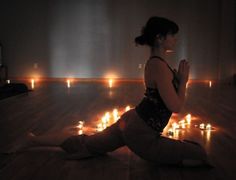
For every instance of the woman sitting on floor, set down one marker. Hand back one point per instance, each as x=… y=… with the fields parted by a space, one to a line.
x=141 y=128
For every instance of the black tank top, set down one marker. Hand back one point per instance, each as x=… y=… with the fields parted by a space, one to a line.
x=152 y=108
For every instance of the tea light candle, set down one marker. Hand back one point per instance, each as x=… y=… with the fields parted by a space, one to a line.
x=188 y=118
x=68 y=83
x=80 y=132
x=110 y=83
x=208 y=127
x=170 y=132
x=127 y=108
x=210 y=83
x=202 y=126
x=32 y=83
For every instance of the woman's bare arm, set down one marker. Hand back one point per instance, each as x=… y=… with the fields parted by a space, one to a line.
x=163 y=80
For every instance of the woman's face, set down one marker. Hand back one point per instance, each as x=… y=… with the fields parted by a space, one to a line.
x=168 y=43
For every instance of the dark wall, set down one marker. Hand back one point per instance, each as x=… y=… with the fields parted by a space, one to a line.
x=94 y=38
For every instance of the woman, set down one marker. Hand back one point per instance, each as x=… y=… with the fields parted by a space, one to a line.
x=140 y=128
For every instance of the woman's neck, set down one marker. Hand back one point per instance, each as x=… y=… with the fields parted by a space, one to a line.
x=158 y=52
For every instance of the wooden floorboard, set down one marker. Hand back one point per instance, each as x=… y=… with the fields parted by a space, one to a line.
x=51 y=106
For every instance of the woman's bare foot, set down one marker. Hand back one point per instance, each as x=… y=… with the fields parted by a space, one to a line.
x=26 y=142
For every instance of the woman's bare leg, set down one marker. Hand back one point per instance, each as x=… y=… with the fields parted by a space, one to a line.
x=49 y=139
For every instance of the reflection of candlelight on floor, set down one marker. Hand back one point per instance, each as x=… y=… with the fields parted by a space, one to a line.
x=208 y=135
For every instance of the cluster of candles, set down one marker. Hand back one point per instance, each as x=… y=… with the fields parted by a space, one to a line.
x=80 y=127
x=185 y=123
x=110 y=118
x=106 y=120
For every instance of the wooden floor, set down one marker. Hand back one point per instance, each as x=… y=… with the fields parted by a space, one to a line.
x=52 y=107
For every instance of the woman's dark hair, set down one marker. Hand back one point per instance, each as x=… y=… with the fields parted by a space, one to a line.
x=156 y=26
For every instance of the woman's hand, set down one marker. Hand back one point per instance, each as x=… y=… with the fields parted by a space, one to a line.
x=183 y=71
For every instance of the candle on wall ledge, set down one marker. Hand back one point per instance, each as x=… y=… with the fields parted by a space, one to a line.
x=8 y=81
x=110 y=83
x=68 y=83
x=32 y=83
x=210 y=83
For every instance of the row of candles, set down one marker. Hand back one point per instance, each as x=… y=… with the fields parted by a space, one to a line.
x=106 y=120
x=111 y=117
x=186 y=123
x=69 y=82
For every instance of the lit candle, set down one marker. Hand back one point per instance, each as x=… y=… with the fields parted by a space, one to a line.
x=80 y=125
x=170 y=132
x=110 y=83
x=208 y=127
x=115 y=115
x=68 y=83
x=209 y=83
x=99 y=127
x=188 y=118
x=182 y=121
x=80 y=132
x=175 y=126
x=202 y=126
x=127 y=108
x=32 y=83
x=8 y=81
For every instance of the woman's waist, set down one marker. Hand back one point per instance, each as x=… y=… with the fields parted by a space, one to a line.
x=154 y=114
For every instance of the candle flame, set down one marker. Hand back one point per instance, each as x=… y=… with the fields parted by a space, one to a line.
x=32 y=83
x=210 y=83
x=127 y=108
x=110 y=83
x=68 y=83
x=188 y=118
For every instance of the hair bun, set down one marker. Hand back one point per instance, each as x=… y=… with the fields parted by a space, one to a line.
x=140 y=40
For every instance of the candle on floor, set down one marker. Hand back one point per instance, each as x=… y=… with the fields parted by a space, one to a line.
x=127 y=108
x=208 y=127
x=80 y=124
x=115 y=115
x=175 y=126
x=188 y=118
x=170 y=132
x=99 y=127
x=68 y=83
x=110 y=83
x=32 y=83
x=210 y=83
x=202 y=126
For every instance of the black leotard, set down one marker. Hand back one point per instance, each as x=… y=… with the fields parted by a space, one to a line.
x=152 y=109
